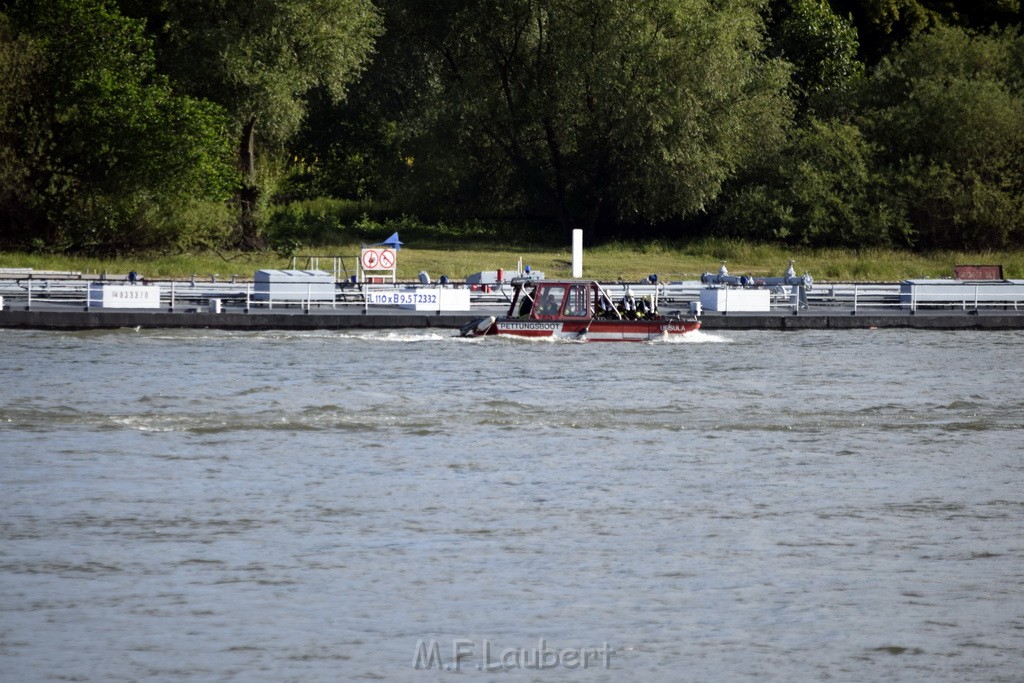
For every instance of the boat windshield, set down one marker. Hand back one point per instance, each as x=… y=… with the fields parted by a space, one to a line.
x=563 y=299
x=522 y=302
x=549 y=300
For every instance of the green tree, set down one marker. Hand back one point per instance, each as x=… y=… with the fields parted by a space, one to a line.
x=21 y=65
x=115 y=155
x=949 y=109
x=885 y=24
x=822 y=47
x=822 y=190
x=260 y=60
x=591 y=112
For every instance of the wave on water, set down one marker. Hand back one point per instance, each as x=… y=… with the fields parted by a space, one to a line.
x=698 y=337
x=307 y=420
x=195 y=335
x=695 y=337
x=413 y=336
x=395 y=336
x=409 y=336
x=316 y=418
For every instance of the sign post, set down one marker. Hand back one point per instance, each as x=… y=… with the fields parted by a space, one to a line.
x=377 y=264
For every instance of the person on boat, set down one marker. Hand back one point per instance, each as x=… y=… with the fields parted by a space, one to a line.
x=605 y=308
x=549 y=306
x=576 y=304
x=628 y=305
x=644 y=307
x=526 y=303
x=526 y=306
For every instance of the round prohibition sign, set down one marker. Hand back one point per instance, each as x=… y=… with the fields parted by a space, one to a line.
x=387 y=259
x=370 y=258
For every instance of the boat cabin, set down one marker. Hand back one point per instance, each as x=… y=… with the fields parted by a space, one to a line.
x=575 y=300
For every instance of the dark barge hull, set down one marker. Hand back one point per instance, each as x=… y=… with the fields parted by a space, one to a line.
x=56 y=318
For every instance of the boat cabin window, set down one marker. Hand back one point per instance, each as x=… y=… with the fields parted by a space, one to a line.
x=569 y=300
x=549 y=300
x=577 y=304
x=522 y=303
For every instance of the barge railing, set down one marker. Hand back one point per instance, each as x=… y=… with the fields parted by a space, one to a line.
x=823 y=297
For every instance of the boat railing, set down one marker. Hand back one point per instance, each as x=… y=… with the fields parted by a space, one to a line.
x=867 y=297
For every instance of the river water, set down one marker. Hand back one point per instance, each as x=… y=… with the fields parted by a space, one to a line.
x=214 y=506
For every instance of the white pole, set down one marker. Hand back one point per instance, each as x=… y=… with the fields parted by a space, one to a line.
x=577 y=253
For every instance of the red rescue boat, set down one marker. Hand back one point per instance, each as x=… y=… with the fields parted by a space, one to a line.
x=583 y=311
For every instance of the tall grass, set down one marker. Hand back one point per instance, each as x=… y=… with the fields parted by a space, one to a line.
x=154 y=266
x=458 y=258
x=326 y=221
x=685 y=260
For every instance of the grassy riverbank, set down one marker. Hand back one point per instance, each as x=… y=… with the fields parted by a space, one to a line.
x=607 y=262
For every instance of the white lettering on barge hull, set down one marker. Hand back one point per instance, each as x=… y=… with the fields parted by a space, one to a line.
x=401 y=298
x=105 y=295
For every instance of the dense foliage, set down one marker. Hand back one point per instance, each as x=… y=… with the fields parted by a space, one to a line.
x=129 y=125
x=100 y=153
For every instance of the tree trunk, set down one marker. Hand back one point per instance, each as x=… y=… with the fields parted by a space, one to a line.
x=592 y=233
x=248 y=193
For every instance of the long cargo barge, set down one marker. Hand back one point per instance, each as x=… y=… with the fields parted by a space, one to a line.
x=56 y=317
x=313 y=300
